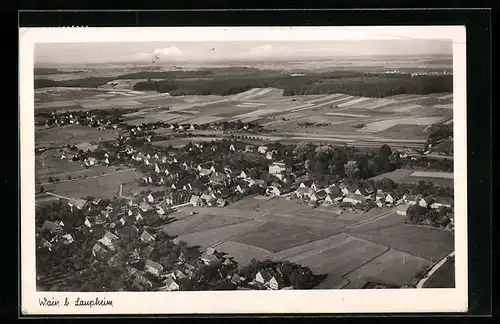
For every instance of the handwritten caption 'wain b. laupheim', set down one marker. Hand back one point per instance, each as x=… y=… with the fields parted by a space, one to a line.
x=97 y=302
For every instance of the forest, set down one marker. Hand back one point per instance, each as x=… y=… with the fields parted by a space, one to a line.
x=227 y=81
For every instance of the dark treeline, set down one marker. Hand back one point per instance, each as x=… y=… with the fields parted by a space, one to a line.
x=373 y=86
x=227 y=81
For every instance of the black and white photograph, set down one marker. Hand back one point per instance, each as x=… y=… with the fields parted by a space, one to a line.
x=175 y=166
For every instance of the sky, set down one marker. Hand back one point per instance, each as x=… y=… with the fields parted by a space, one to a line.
x=83 y=53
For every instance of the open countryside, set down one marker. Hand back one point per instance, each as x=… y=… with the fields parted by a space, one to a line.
x=164 y=177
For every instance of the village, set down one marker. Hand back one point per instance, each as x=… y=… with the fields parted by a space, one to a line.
x=125 y=231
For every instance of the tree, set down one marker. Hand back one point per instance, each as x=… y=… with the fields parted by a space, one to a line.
x=351 y=169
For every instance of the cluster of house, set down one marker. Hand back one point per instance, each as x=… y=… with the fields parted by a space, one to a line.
x=85 y=118
x=326 y=194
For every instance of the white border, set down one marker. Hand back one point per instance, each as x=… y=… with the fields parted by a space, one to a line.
x=298 y=301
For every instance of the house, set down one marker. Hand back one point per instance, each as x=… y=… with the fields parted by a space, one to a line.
x=169 y=284
x=379 y=196
x=389 y=199
x=208 y=258
x=345 y=189
x=179 y=274
x=263 y=276
x=276 y=282
x=442 y=202
x=262 y=149
x=109 y=240
x=208 y=199
x=143 y=206
x=52 y=227
x=242 y=175
x=273 y=191
x=67 y=239
x=248 y=148
x=98 y=250
x=402 y=209
x=236 y=279
x=321 y=194
x=361 y=192
x=232 y=148
x=149 y=198
x=218 y=179
x=205 y=172
x=96 y=201
x=146 y=237
x=222 y=202
x=306 y=184
x=90 y=161
x=239 y=189
x=313 y=198
x=302 y=192
x=380 y=203
x=78 y=203
x=153 y=267
x=426 y=201
x=269 y=155
x=195 y=201
x=276 y=169
x=353 y=198
x=410 y=199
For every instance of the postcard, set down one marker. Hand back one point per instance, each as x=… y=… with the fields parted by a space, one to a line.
x=251 y=170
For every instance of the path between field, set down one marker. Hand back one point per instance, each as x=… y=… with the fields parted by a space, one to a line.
x=435 y=268
x=92 y=177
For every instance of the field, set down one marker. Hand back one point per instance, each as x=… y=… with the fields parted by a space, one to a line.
x=104 y=186
x=73 y=134
x=410 y=176
x=428 y=243
x=349 y=248
x=276 y=237
x=393 y=266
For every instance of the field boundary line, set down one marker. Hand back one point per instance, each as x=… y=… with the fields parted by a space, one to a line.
x=387 y=249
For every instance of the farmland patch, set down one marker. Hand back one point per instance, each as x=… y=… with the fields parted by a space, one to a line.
x=275 y=237
x=105 y=186
x=425 y=242
x=73 y=134
x=217 y=235
x=393 y=267
x=404 y=131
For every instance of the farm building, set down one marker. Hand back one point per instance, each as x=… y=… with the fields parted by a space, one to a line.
x=410 y=199
x=353 y=198
x=78 y=203
x=442 y=202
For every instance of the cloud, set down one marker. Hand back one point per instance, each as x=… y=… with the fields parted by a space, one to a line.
x=168 y=51
x=266 y=50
